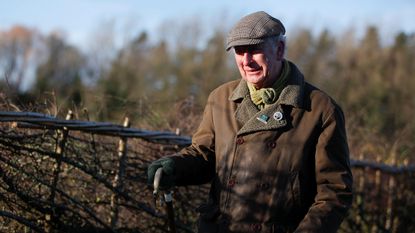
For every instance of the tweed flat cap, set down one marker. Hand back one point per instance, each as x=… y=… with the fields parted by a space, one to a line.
x=254 y=29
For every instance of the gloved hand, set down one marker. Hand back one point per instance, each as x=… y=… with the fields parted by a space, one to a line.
x=167 y=179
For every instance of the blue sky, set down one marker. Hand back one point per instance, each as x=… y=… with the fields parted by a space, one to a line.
x=78 y=18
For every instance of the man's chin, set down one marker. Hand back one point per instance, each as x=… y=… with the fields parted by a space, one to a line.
x=254 y=79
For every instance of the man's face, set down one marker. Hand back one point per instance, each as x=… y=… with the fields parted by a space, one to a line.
x=260 y=64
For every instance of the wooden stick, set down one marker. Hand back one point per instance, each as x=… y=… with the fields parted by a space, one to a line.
x=118 y=181
x=60 y=147
x=391 y=197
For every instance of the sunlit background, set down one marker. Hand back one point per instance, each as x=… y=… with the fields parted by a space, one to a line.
x=155 y=63
x=81 y=23
x=79 y=19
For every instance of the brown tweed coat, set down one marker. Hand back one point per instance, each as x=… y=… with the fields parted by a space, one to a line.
x=282 y=169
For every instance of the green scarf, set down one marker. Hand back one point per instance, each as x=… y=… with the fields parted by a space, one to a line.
x=268 y=96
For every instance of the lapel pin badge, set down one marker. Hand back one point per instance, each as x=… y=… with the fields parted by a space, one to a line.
x=263 y=118
x=277 y=116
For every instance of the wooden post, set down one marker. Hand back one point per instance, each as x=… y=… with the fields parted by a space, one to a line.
x=378 y=188
x=119 y=177
x=391 y=196
x=62 y=136
x=360 y=192
x=93 y=143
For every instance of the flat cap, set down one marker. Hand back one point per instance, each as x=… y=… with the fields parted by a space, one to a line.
x=254 y=29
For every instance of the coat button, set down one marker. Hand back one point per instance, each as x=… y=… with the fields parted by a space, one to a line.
x=231 y=183
x=240 y=141
x=272 y=144
x=256 y=227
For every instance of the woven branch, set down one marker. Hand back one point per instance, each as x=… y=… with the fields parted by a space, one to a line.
x=382 y=167
x=29 y=158
x=21 y=220
x=36 y=120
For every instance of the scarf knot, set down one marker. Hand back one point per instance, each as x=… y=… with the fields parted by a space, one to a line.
x=263 y=96
x=268 y=96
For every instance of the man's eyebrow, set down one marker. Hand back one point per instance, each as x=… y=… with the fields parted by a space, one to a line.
x=249 y=47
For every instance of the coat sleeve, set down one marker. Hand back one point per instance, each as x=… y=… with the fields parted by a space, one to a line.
x=333 y=177
x=195 y=164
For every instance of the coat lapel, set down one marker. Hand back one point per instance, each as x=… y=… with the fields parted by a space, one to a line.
x=245 y=111
x=270 y=118
x=273 y=116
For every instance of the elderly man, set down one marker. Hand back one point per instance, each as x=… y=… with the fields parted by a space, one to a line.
x=273 y=146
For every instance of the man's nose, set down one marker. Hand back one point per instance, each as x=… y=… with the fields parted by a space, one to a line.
x=247 y=58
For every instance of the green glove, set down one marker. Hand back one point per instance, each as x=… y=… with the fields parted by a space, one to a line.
x=167 y=178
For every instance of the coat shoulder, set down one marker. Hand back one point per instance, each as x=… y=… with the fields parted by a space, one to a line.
x=318 y=98
x=320 y=103
x=224 y=90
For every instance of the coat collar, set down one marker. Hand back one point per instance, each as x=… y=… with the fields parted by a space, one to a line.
x=292 y=94
x=253 y=120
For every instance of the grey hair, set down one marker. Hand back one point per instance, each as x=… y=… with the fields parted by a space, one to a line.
x=274 y=40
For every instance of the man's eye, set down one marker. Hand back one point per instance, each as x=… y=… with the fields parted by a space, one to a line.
x=254 y=50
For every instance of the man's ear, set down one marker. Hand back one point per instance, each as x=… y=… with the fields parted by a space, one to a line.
x=280 y=50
